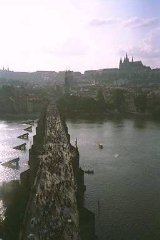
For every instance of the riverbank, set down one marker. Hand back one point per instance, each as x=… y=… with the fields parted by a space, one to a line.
x=110 y=116
x=93 y=108
x=19 y=116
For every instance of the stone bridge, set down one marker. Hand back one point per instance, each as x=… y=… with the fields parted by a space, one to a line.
x=55 y=184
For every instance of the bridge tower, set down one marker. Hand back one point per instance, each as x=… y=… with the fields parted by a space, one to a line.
x=68 y=81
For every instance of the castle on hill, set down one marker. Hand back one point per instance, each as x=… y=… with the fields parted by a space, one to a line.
x=127 y=65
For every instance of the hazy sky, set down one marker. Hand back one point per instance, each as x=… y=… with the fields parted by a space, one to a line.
x=77 y=34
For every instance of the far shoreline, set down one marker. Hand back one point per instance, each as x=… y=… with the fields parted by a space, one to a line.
x=18 y=116
x=110 y=116
x=81 y=116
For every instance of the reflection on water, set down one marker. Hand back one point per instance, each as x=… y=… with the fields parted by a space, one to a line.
x=2 y=211
x=124 y=191
x=140 y=124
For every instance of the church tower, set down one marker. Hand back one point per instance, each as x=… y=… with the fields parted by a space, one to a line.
x=127 y=59
x=120 y=63
x=68 y=81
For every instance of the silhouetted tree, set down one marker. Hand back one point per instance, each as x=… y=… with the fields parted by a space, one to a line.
x=100 y=100
x=119 y=100
x=141 y=102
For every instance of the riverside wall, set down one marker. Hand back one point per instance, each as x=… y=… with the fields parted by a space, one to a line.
x=55 y=185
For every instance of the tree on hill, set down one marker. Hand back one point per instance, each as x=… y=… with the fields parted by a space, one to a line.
x=141 y=102
x=100 y=100
x=119 y=100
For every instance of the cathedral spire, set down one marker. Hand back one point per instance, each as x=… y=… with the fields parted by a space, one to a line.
x=120 y=63
x=127 y=59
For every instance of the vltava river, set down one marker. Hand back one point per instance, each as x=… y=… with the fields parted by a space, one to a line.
x=9 y=131
x=126 y=179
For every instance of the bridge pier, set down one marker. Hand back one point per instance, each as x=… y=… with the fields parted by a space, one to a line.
x=11 y=162
x=20 y=147
x=28 y=129
x=23 y=136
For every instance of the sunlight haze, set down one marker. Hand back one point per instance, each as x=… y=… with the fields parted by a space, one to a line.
x=77 y=35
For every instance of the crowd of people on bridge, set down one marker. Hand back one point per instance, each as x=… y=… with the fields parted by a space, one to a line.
x=54 y=211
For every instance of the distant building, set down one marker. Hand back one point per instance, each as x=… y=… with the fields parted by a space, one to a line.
x=5 y=70
x=136 y=66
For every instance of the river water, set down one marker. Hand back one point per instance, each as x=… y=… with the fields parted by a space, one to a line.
x=9 y=131
x=124 y=191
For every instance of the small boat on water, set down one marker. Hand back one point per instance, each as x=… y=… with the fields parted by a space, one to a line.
x=100 y=146
x=89 y=171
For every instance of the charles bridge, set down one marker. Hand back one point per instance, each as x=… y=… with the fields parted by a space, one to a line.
x=55 y=183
